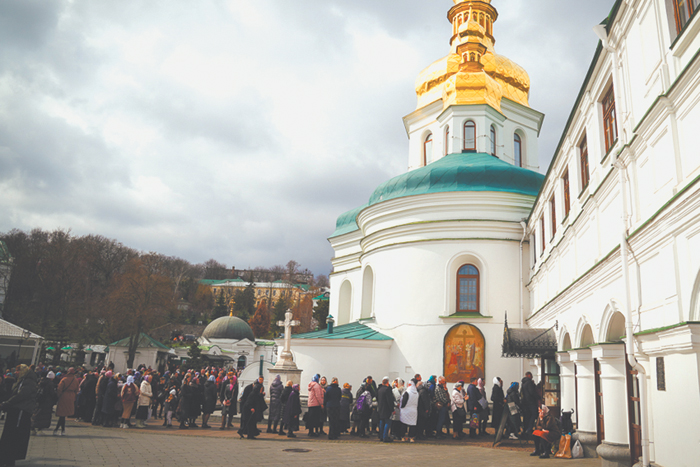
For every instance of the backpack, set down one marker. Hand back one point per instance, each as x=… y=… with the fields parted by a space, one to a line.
x=363 y=401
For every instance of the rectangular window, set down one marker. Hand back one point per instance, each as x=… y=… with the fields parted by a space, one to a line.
x=534 y=249
x=583 y=156
x=683 y=10
x=542 y=233
x=553 y=212
x=609 y=120
x=567 y=197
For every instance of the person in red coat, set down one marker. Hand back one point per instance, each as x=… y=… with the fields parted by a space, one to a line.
x=66 y=392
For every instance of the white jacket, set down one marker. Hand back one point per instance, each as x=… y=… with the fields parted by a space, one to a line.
x=409 y=413
x=146 y=394
x=457 y=399
x=397 y=403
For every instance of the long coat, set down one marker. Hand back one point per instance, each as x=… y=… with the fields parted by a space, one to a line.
x=385 y=402
x=409 y=406
x=67 y=390
x=497 y=398
x=111 y=396
x=209 y=397
x=45 y=398
x=276 y=389
x=292 y=409
x=20 y=405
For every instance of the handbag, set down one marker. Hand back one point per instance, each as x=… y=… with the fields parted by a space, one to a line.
x=513 y=408
x=474 y=422
x=564 y=451
x=484 y=403
x=461 y=413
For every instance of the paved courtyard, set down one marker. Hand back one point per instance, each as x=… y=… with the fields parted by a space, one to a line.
x=85 y=445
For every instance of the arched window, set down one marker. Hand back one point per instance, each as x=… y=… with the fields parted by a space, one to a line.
x=447 y=139
x=428 y=149
x=517 y=150
x=367 y=293
x=493 y=140
x=241 y=362
x=345 y=303
x=470 y=136
x=468 y=289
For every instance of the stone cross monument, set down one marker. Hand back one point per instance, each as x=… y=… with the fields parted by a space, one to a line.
x=285 y=366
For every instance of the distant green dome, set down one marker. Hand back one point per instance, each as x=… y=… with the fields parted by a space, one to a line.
x=461 y=172
x=228 y=327
x=452 y=173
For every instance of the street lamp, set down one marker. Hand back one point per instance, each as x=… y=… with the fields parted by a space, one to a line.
x=25 y=336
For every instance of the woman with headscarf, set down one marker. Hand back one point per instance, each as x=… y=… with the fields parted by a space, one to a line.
x=283 y=403
x=170 y=407
x=315 y=415
x=66 y=392
x=546 y=432
x=100 y=389
x=398 y=429
x=483 y=411
x=292 y=410
x=18 y=423
x=273 y=417
x=459 y=411
x=130 y=394
x=409 y=410
x=109 y=400
x=87 y=392
x=254 y=406
x=228 y=396
x=187 y=396
x=346 y=400
x=210 y=397
x=46 y=398
x=498 y=399
x=144 y=402
x=514 y=423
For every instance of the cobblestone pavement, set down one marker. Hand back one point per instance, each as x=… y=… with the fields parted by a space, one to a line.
x=85 y=445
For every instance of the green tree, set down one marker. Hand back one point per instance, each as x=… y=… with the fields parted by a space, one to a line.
x=244 y=306
x=278 y=311
x=195 y=361
x=321 y=313
x=220 y=309
x=260 y=322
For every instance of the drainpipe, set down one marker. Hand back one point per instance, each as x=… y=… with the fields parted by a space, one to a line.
x=522 y=286
x=630 y=340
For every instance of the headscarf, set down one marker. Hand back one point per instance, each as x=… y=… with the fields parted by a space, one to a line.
x=278 y=379
x=290 y=383
x=545 y=409
x=458 y=386
x=514 y=385
x=497 y=381
x=316 y=378
x=346 y=385
x=23 y=370
x=109 y=374
x=480 y=383
x=71 y=370
x=51 y=375
x=295 y=387
x=212 y=378
x=173 y=392
x=129 y=380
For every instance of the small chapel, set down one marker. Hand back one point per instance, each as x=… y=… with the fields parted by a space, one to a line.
x=426 y=273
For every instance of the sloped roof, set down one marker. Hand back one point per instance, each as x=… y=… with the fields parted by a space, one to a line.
x=355 y=330
x=8 y=329
x=528 y=342
x=5 y=255
x=144 y=341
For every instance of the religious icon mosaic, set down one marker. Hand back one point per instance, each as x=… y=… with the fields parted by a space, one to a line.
x=463 y=353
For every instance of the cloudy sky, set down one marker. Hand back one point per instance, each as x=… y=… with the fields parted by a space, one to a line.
x=237 y=130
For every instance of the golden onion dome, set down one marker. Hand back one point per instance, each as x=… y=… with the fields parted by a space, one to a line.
x=473 y=53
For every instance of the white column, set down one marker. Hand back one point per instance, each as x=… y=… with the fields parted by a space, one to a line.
x=613 y=385
x=567 y=383
x=586 y=390
x=36 y=352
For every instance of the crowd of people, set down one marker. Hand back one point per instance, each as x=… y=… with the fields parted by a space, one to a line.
x=392 y=410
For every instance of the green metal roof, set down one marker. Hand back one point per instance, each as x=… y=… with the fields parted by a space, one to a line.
x=144 y=341
x=346 y=331
x=228 y=327
x=321 y=297
x=219 y=282
x=347 y=222
x=452 y=173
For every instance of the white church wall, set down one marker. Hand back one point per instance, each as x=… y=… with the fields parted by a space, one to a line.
x=349 y=360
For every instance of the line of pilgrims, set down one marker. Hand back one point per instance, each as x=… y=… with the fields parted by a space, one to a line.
x=392 y=410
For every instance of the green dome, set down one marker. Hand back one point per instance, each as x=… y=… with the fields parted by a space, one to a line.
x=454 y=172
x=461 y=172
x=228 y=327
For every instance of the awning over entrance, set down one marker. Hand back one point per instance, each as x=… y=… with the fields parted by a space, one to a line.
x=529 y=342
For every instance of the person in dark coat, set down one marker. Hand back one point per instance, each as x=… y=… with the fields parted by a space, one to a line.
x=109 y=401
x=87 y=392
x=292 y=410
x=99 y=398
x=529 y=401
x=473 y=406
x=385 y=409
x=228 y=396
x=546 y=433
x=45 y=399
x=424 y=406
x=498 y=399
x=18 y=423
x=251 y=410
x=276 y=389
x=243 y=430
x=187 y=401
x=512 y=396
x=331 y=400
x=346 y=401
x=210 y=396
x=283 y=403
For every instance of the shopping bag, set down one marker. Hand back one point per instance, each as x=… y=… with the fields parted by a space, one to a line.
x=564 y=451
x=150 y=413
x=484 y=403
x=513 y=408
x=577 y=450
